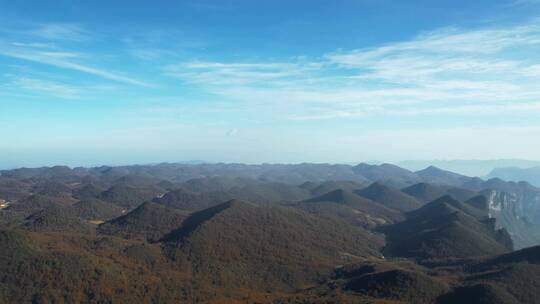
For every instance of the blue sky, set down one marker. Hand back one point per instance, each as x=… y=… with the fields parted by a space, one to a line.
x=119 y=82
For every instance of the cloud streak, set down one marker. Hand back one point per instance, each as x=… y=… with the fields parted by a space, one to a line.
x=446 y=71
x=58 y=31
x=44 y=45
x=48 y=87
x=66 y=60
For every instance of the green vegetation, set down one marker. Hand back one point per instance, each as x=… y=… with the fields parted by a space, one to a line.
x=164 y=234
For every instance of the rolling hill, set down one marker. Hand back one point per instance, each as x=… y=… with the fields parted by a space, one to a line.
x=263 y=247
x=426 y=193
x=352 y=208
x=389 y=197
x=235 y=233
x=149 y=221
x=446 y=228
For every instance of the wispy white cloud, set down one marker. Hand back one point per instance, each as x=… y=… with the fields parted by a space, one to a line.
x=218 y=73
x=53 y=44
x=33 y=45
x=164 y=44
x=59 y=31
x=47 y=87
x=63 y=59
x=446 y=71
x=524 y=2
x=148 y=54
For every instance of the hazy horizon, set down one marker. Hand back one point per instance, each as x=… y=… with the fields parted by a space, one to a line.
x=468 y=167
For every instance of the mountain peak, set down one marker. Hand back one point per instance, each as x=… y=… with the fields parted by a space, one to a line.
x=433 y=170
x=378 y=187
x=195 y=220
x=447 y=204
x=148 y=221
x=440 y=176
x=336 y=196
x=239 y=239
x=390 y=197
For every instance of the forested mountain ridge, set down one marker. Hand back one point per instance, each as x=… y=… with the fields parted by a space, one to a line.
x=265 y=234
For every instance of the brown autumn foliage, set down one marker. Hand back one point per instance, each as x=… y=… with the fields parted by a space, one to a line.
x=300 y=239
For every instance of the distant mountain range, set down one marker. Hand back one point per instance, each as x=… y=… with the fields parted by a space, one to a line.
x=462 y=166
x=530 y=175
x=468 y=167
x=237 y=233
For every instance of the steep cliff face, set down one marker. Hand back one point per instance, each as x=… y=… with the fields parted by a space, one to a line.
x=518 y=211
